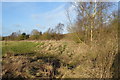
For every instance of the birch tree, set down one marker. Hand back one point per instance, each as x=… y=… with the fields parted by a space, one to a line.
x=91 y=15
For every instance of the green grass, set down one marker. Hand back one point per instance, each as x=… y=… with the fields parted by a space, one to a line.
x=19 y=47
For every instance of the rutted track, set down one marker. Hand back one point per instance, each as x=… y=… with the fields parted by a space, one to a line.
x=24 y=67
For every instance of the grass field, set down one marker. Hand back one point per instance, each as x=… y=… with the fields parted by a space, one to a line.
x=18 y=47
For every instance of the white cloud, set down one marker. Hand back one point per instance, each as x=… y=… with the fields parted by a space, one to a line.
x=59 y=11
x=40 y=26
x=51 y=18
x=17 y=25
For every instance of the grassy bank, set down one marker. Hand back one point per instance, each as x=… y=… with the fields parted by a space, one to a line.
x=77 y=60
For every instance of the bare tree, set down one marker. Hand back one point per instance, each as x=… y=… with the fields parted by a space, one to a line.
x=59 y=28
x=90 y=15
x=35 y=32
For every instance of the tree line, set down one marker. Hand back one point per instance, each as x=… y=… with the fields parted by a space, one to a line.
x=50 y=34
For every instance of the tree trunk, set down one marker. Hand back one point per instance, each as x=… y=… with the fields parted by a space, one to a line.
x=91 y=34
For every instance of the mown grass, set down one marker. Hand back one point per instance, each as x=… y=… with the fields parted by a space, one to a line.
x=17 y=47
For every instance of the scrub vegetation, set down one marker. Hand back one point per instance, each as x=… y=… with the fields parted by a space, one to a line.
x=89 y=50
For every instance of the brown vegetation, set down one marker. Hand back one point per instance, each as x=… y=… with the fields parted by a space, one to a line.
x=90 y=50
